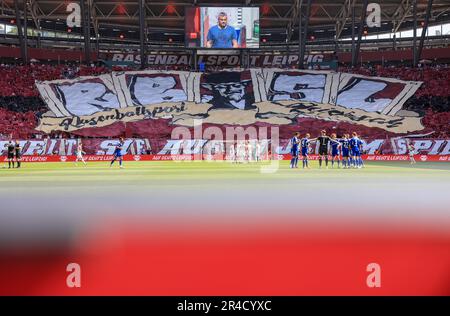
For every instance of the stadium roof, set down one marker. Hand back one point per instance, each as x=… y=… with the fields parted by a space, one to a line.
x=166 y=18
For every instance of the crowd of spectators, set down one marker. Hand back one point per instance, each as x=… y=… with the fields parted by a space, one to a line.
x=431 y=101
x=19 y=80
x=19 y=124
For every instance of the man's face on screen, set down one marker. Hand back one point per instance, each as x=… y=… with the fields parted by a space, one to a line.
x=223 y=20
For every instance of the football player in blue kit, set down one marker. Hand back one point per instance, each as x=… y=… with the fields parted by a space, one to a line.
x=361 y=152
x=294 y=150
x=304 y=147
x=345 y=149
x=118 y=153
x=335 y=155
x=355 y=147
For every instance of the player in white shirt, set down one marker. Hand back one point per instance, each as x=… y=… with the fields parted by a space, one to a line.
x=249 y=151
x=257 y=151
x=412 y=152
x=232 y=153
x=80 y=154
x=240 y=151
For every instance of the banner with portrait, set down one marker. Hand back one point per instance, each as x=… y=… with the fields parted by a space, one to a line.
x=233 y=97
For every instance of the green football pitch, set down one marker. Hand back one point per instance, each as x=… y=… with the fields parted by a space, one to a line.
x=178 y=172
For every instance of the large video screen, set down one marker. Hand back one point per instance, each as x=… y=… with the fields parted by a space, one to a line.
x=222 y=27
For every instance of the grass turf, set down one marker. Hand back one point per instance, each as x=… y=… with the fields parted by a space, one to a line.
x=182 y=173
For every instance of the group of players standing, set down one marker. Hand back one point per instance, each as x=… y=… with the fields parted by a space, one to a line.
x=245 y=151
x=14 y=155
x=349 y=149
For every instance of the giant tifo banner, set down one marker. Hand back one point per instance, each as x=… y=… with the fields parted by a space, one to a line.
x=149 y=102
x=176 y=147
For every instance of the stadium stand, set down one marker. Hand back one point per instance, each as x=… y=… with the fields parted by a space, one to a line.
x=21 y=106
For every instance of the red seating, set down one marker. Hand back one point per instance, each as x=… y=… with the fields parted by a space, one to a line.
x=19 y=80
x=17 y=124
